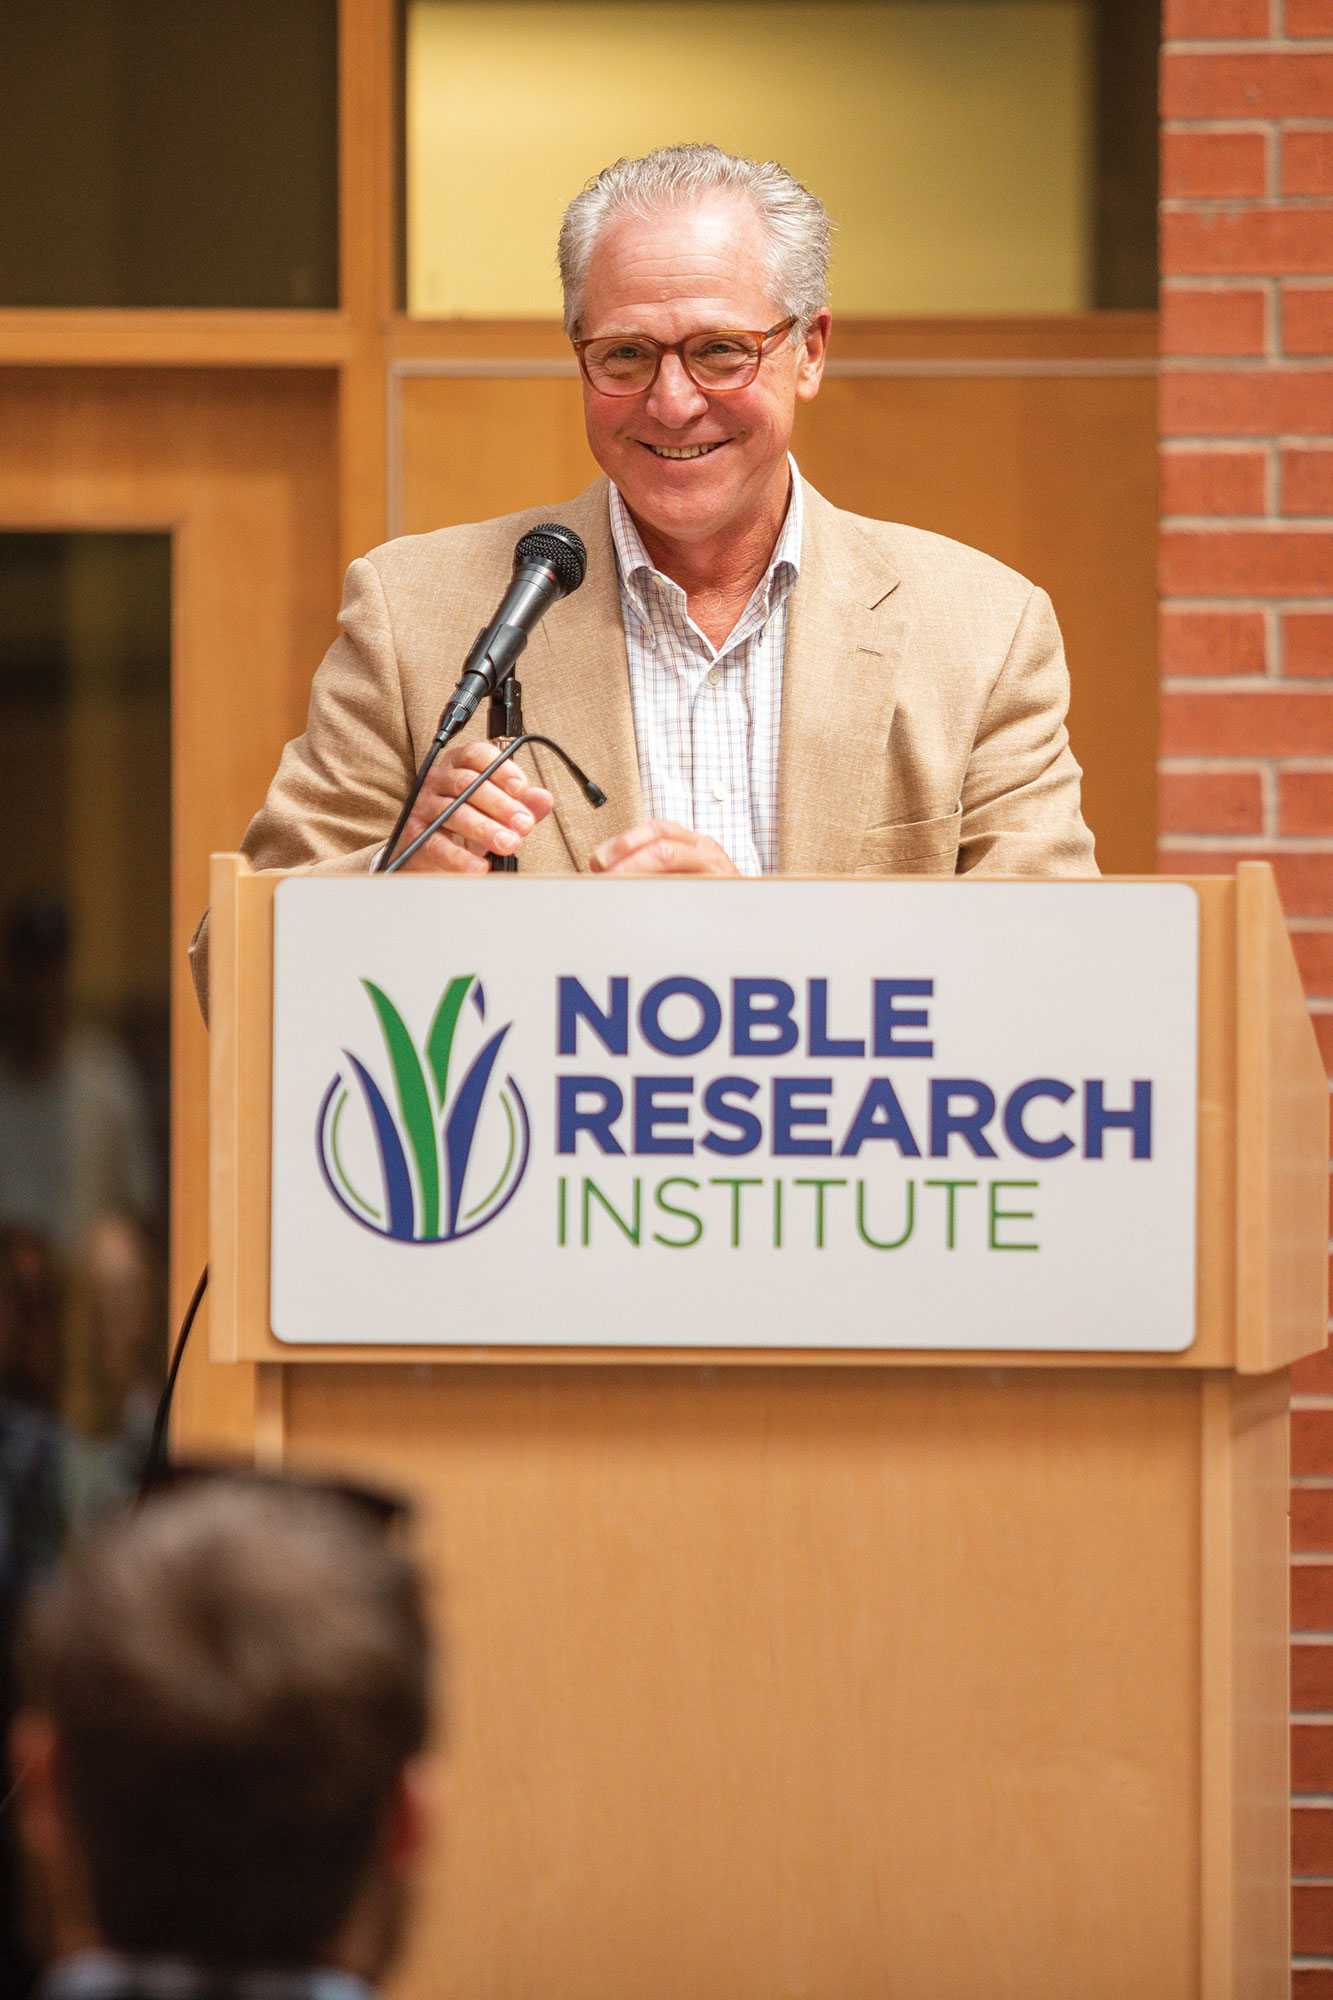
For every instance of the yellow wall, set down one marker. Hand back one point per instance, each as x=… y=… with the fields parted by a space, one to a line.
x=950 y=139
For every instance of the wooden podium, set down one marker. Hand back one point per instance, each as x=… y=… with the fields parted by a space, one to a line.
x=887 y=1676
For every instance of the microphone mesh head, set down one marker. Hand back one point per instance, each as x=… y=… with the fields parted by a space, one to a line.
x=552 y=542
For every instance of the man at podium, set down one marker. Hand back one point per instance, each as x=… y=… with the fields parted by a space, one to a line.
x=759 y=682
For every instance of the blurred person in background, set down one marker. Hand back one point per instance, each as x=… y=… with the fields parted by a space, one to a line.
x=79 y=1182
x=36 y=1477
x=223 y=1706
x=73 y=1127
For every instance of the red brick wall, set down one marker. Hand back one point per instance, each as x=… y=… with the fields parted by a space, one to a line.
x=1247 y=626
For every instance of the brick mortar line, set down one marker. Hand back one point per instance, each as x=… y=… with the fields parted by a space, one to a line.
x=1238 y=45
x=1244 y=684
x=1241 y=765
x=1273 y=524
x=1213 y=281
x=1254 y=366
x=1296 y=846
x=1232 y=446
x=1235 y=444
x=1239 y=126
x=1245 y=204
x=1190 y=601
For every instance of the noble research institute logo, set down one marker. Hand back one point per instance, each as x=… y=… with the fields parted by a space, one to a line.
x=439 y=1154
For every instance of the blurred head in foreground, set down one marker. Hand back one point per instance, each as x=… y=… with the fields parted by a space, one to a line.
x=222 y=1705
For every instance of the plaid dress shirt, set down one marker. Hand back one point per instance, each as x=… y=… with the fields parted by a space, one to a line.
x=706 y=718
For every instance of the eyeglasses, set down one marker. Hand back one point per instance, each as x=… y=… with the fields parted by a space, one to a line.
x=627 y=364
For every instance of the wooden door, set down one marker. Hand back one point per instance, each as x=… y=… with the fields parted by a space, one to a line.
x=240 y=466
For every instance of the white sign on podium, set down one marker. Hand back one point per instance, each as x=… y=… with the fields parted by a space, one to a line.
x=760 y=1114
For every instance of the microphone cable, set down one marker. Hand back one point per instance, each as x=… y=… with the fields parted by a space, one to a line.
x=157 y=1444
x=592 y=793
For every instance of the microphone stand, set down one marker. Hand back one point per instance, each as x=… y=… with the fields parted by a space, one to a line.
x=505 y=716
x=504 y=722
x=510 y=710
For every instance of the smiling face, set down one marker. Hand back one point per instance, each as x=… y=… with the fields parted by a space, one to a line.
x=696 y=468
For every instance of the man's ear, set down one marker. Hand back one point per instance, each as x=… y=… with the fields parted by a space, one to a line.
x=811 y=355
x=33 y=1769
x=409 y=1817
x=46 y=1838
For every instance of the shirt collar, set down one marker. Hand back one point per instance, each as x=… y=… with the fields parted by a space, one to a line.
x=634 y=565
x=106 y=1975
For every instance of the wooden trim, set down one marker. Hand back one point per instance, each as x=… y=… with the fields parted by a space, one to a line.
x=1244 y=1751
x=368 y=232
x=1216 y=1692
x=109 y=337
x=270 y=1416
x=225 y=1249
x=1061 y=338
x=507 y=367
x=1282 y=1141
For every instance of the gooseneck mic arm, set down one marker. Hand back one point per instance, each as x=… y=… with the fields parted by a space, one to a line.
x=549 y=563
x=591 y=792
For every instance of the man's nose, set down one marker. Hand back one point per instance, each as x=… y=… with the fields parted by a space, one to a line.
x=674 y=399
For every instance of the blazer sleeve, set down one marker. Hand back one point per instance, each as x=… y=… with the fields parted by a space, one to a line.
x=340 y=785
x=1020 y=803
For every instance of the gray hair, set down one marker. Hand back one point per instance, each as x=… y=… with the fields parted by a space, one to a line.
x=795 y=220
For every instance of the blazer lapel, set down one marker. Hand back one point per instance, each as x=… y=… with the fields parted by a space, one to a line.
x=844 y=642
x=575 y=679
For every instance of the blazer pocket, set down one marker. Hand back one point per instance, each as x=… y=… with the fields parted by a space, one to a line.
x=920 y=847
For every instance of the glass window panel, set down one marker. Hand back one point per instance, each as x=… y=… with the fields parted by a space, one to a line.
x=160 y=154
x=85 y=842
x=85 y=859
x=953 y=140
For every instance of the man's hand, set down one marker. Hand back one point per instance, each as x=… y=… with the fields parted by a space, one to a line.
x=493 y=821
x=660 y=847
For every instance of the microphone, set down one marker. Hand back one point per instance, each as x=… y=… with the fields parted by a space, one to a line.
x=549 y=563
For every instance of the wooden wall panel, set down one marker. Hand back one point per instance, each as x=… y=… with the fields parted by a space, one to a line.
x=241 y=467
x=1054 y=474
x=877 y=1685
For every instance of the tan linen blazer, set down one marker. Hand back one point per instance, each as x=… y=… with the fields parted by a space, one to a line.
x=923 y=706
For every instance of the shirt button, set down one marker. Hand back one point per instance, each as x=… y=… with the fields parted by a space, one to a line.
x=721 y=794
x=715 y=677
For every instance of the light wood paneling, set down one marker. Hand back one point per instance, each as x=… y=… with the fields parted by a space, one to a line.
x=468 y=448
x=368 y=245
x=240 y=467
x=1283 y=1141
x=865 y=1685
x=1057 y=478
x=110 y=337
x=1245 y=1910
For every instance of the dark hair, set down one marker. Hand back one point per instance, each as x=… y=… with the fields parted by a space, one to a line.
x=236 y=1674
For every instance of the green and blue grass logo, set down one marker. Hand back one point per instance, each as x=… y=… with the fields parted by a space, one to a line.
x=436 y=1155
